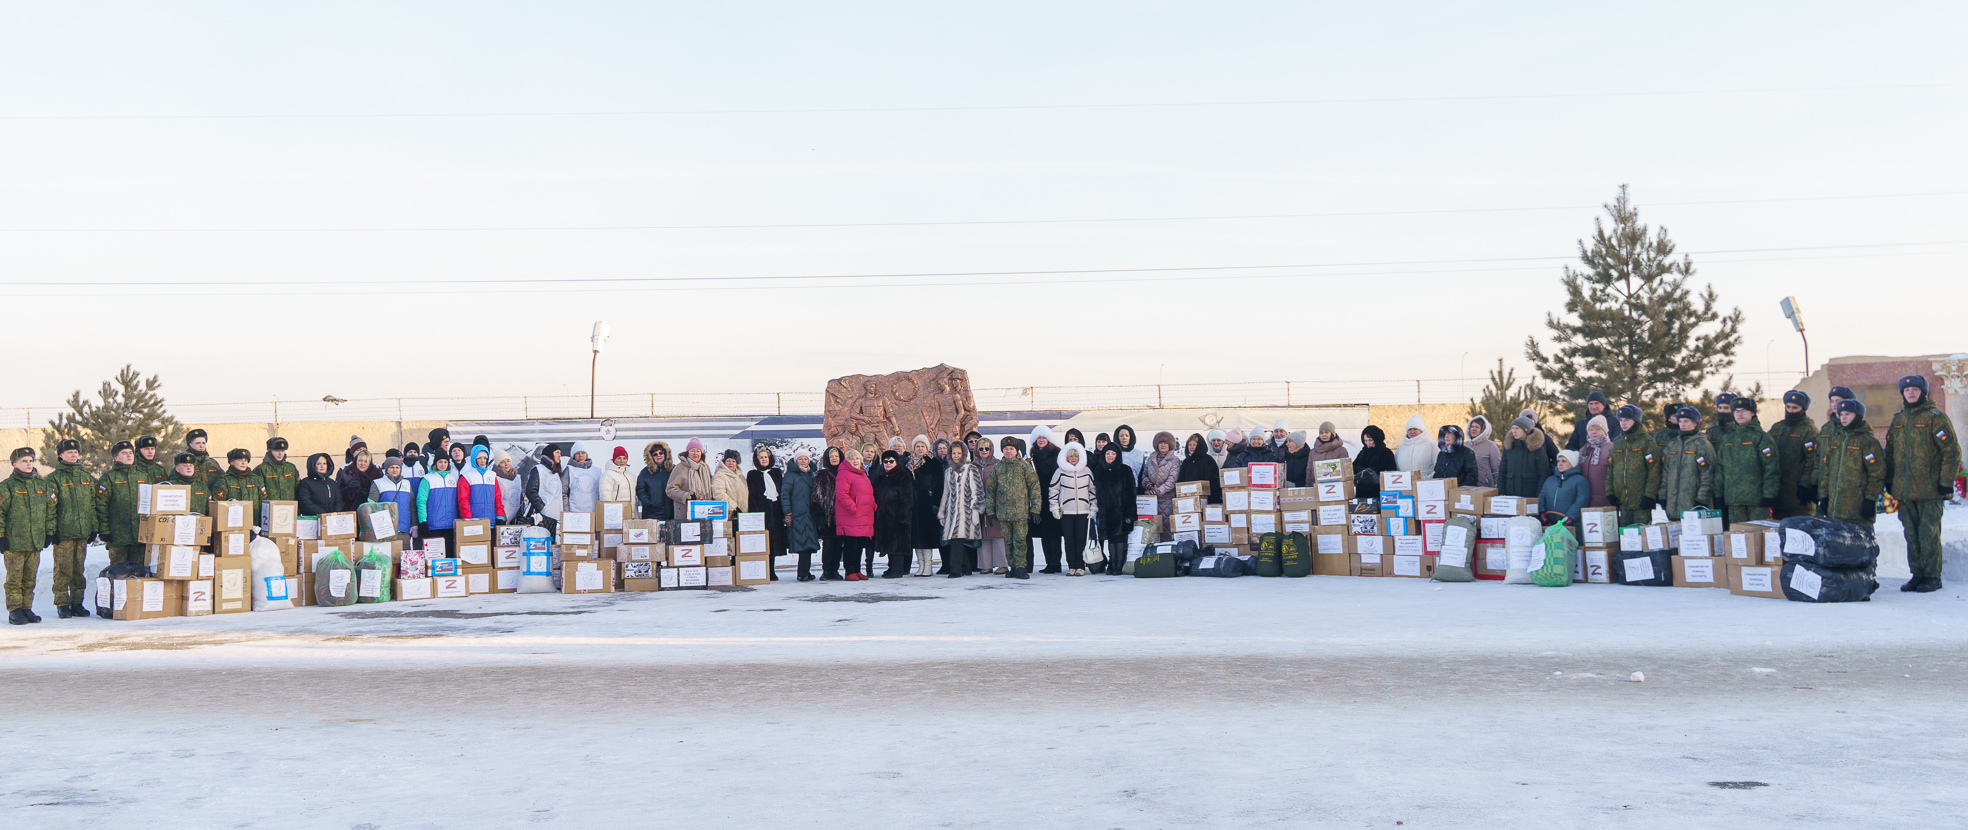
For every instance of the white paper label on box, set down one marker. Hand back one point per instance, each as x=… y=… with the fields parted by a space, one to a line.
x=1216 y=534
x=1263 y=500
x=1408 y=546
x=637 y=553
x=718 y=576
x=1593 y=528
x=414 y=589
x=1332 y=543
x=753 y=542
x=206 y=562
x=1522 y=534
x=536 y=564
x=1633 y=539
x=1332 y=514
x=690 y=532
x=1237 y=501
x=751 y=523
x=1431 y=510
x=507 y=579
x=636 y=536
x=1455 y=557
x=1232 y=477
x=180 y=562
x=1263 y=475
x=752 y=570
x=505 y=557
x=1239 y=519
x=1804 y=580
x=184 y=530
x=1399 y=481
x=1369 y=545
x=1506 y=504
x=577 y=522
x=1699 y=570
x=1186 y=504
x=1639 y=569
x=587 y=577
x=611 y=515
x=1332 y=491
x=309 y=529
x=235 y=544
x=1370 y=559
x=235 y=515
x=1405 y=565
x=1694 y=546
x=1146 y=506
x=338 y=524
x=450 y=586
x=371 y=584
x=1301 y=516
x=1757 y=579
x=170 y=501
x=719 y=547
x=471 y=529
x=478 y=583
x=120 y=594
x=1297 y=527
x=1595 y=566
x=1800 y=543
x=1738 y=546
x=1263 y=523
x=478 y=554
x=232 y=584
x=579 y=539
x=153 y=596
x=1496 y=558
x=143 y=499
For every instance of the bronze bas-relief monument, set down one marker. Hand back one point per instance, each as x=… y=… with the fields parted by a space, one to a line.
x=870 y=409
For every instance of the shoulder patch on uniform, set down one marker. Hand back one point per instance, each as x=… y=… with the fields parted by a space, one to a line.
x=1650 y=458
x=1810 y=445
x=1870 y=459
x=1701 y=460
x=1941 y=434
x=1767 y=450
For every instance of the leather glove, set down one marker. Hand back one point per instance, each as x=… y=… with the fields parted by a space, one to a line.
x=1869 y=509
x=1947 y=490
x=1034 y=520
x=1806 y=494
x=1770 y=502
x=51 y=541
x=1649 y=504
x=3 y=545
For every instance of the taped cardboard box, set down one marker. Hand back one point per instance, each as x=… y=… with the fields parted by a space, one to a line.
x=689 y=577
x=1188 y=504
x=1198 y=489
x=1332 y=469
x=477 y=553
x=1266 y=475
x=1335 y=491
x=587 y=578
x=449 y=587
x=1178 y=523
x=1700 y=572
x=751 y=569
x=185 y=529
x=1756 y=580
x=338 y=526
x=758 y=543
x=571 y=553
x=1333 y=564
x=279 y=518
x=1470 y=501
x=1701 y=522
x=1363 y=524
x=1398 y=506
x=1695 y=546
x=290 y=553
x=642 y=553
x=478 y=580
x=1507 y=506
x=409 y=589
x=505 y=580
x=196 y=598
x=1263 y=501
x=232 y=515
x=642 y=532
x=163 y=499
x=1369 y=564
x=1598 y=568
x=506 y=557
x=172 y=562
x=1743 y=548
x=1432 y=511
x=1492 y=559
x=1413 y=566
x=145 y=599
x=232 y=584
x=1331 y=515
x=1661 y=536
x=1233 y=477
x=638 y=578
x=473 y=531
x=1599 y=526
x=1216 y=533
x=1298 y=498
x=614 y=514
x=1434 y=489
x=750 y=522
x=1235 y=501
x=232 y=543
x=1262 y=523
x=718 y=576
x=572 y=522
x=1772 y=545
x=1397 y=481
x=686 y=556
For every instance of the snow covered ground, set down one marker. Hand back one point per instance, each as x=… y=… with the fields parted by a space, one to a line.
x=1064 y=702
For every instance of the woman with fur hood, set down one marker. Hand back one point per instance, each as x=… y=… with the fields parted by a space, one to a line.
x=991 y=548
x=1044 y=456
x=1159 y=474
x=825 y=485
x=728 y=484
x=798 y=504
x=653 y=483
x=690 y=481
x=1072 y=498
x=1374 y=458
x=1328 y=445
x=1452 y=459
x=762 y=489
x=895 y=507
x=1113 y=486
x=1417 y=452
x=926 y=470
x=1197 y=465
x=1483 y=445
x=961 y=512
x=1525 y=463
x=854 y=514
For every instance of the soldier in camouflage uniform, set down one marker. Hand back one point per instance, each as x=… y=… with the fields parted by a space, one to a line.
x=1634 y=477
x=1725 y=417
x=116 y=505
x=277 y=474
x=240 y=483
x=1749 y=467
x=1922 y=457
x=205 y=468
x=153 y=470
x=1011 y=495
x=27 y=524
x=1851 y=468
x=1837 y=394
x=184 y=471
x=75 y=524
x=1797 y=441
x=1687 y=473
x=1667 y=432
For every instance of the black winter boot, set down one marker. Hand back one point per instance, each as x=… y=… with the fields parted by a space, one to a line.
x=17 y=617
x=1922 y=584
x=62 y=612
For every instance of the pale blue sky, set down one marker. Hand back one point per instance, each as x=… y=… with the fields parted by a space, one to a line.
x=1490 y=147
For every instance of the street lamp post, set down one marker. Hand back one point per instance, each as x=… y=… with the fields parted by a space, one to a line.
x=1796 y=315
x=598 y=337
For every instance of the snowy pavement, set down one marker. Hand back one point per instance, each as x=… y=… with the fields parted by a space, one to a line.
x=1092 y=702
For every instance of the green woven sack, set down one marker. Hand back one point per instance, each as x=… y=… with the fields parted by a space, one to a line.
x=1559 y=552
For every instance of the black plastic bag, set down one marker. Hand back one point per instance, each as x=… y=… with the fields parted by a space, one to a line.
x=1221 y=565
x=1654 y=568
x=1828 y=543
x=1807 y=582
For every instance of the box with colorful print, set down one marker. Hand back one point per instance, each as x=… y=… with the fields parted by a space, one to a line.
x=1364 y=524
x=705 y=511
x=444 y=567
x=414 y=564
x=1397 y=505
x=1333 y=469
x=639 y=577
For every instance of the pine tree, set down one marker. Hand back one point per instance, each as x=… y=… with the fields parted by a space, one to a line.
x=1502 y=399
x=1634 y=329
x=129 y=407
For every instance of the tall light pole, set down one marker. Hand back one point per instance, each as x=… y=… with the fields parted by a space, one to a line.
x=597 y=338
x=1796 y=316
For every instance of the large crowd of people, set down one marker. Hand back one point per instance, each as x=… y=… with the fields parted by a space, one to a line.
x=978 y=506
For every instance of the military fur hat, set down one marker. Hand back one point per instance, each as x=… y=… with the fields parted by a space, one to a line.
x=66 y=444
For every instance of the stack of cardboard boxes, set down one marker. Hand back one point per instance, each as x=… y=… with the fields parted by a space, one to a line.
x=1745 y=558
x=1389 y=534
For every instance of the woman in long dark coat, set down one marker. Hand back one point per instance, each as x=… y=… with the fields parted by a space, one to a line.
x=796 y=496
x=762 y=496
x=925 y=529
x=895 y=502
x=1113 y=493
x=823 y=513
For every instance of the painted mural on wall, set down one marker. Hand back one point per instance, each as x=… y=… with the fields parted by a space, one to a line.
x=871 y=409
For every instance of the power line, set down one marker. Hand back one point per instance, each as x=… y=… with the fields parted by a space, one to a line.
x=915 y=274
x=796 y=225
x=976 y=108
x=969 y=283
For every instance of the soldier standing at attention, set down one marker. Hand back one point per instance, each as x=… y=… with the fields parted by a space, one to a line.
x=1922 y=456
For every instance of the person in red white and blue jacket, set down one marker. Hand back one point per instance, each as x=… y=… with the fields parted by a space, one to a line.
x=398 y=489
x=478 y=488
x=437 y=499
